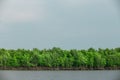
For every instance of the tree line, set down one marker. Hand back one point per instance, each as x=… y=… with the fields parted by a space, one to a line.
x=57 y=57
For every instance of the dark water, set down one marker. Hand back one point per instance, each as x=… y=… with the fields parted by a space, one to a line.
x=60 y=75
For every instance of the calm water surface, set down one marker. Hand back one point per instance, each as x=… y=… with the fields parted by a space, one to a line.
x=60 y=75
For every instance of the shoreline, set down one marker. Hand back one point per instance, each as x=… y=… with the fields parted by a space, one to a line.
x=57 y=68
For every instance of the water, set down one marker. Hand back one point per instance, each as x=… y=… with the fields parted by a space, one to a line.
x=60 y=75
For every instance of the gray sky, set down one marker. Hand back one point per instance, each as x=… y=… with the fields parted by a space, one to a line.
x=67 y=24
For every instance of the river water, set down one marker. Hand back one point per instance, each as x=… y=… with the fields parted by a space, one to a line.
x=60 y=75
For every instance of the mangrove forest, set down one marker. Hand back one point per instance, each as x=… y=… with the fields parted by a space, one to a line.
x=57 y=58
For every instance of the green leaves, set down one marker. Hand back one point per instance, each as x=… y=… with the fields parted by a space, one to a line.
x=57 y=57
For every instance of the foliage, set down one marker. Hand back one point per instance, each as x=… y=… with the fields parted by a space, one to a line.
x=57 y=57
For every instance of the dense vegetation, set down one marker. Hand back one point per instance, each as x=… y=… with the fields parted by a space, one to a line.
x=57 y=57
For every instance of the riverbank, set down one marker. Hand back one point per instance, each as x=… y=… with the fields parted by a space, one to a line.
x=58 y=68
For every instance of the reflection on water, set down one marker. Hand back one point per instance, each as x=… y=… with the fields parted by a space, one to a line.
x=60 y=75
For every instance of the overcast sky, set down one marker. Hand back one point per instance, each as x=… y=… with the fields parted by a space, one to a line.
x=68 y=24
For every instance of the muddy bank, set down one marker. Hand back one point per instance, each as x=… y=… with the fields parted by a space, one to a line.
x=57 y=68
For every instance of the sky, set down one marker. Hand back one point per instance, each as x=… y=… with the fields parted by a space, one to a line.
x=68 y=24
